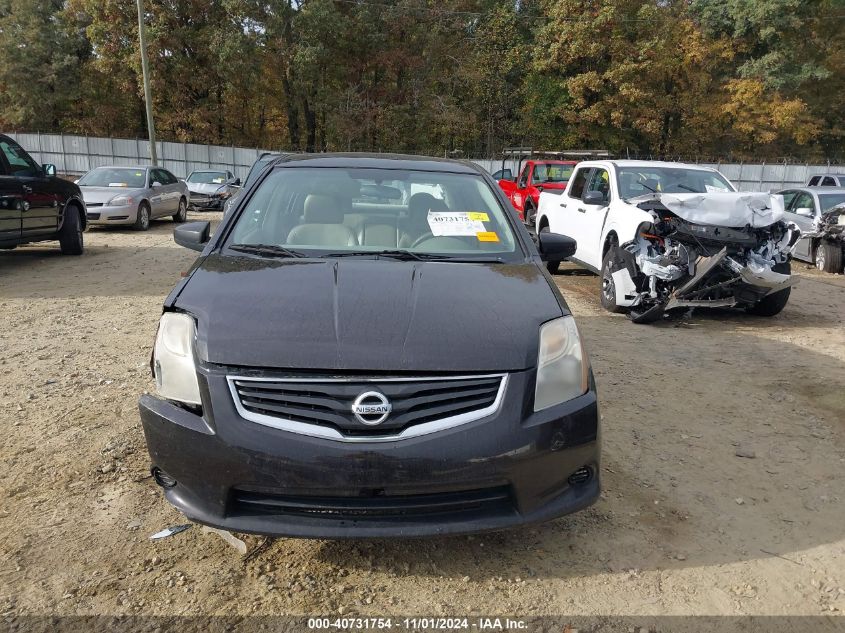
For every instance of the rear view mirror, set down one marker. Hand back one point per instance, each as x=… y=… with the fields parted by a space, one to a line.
x=49 y=169
x=594 y=197
x=193 y=235
x=555 y=247
x=805 y=211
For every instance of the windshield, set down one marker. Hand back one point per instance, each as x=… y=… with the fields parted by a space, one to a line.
x=208 y=177
x=114 y=177
x=550 y=172
x=639 y=181
x=344 y=211
x=829 y=200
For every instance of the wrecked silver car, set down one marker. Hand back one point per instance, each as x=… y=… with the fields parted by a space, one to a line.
x=715 y=249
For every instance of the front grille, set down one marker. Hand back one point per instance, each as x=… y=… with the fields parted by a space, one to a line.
x=93 y=216
x=493 y=501
x=88 y=205
x=324 y=407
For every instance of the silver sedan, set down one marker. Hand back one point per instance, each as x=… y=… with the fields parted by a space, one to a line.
x=133 y=196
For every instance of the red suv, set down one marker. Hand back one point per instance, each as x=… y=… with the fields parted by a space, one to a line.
x=536 y=176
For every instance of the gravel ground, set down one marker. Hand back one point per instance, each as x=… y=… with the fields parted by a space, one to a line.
x=723 y=468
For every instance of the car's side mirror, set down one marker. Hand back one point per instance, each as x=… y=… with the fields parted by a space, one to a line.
x=193 y=235
x=237 y=182
x=49 y=169
x=804 y=211
x=594 y=197
x=555 y=247
x=155 y=184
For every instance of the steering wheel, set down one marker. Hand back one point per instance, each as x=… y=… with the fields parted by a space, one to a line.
x=444 y=242
x=422 y=238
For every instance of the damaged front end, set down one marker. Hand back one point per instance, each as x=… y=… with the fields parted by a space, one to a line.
x=684 y=259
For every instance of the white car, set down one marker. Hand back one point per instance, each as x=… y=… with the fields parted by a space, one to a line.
x=669 y=235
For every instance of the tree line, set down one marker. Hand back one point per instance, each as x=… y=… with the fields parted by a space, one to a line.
x=737 y=79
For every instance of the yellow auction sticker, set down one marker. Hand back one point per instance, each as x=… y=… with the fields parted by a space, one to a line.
x=477 y=215
x=487 y=236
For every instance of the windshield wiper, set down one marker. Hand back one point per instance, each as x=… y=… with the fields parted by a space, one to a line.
x=268 y=250
x=393 y=254
x=410 y=255
x=683 y=186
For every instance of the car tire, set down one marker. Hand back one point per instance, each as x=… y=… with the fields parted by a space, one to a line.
x=528 y=213
x=182 y=214
x=773 y=304
x=552 y=267
x=70 y=235
x=607 y=289
x=142 y=218
x=829 y=257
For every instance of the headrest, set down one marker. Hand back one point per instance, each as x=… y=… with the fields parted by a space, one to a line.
x=321 y=209
x=421 y=203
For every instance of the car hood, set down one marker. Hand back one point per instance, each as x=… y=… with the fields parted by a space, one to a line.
x=204 y=187
x=368 y=315
x=723 y=208
x=101 y=195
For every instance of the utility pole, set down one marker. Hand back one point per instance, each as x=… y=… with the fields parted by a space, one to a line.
x=146 y=73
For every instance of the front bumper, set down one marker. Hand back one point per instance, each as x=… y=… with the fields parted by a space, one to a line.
x=111 y=215
x=206 y=203
x=238 y=475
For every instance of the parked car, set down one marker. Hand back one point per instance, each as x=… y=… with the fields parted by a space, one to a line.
x=133 y=196
x=666 y=236
x=359 y=387
x=536 y=176
x=820 y=214
x=209 y=189
x=35 y=205
x=826 y=180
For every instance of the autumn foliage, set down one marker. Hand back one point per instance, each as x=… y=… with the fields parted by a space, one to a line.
x=740 y=79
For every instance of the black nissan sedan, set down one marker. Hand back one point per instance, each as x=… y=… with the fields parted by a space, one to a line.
x=370 y=346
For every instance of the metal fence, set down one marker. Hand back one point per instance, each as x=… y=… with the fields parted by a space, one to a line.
x=745 y=176
x=75 y=155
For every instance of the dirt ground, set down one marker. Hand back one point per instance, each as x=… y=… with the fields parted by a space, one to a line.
x=684 y=524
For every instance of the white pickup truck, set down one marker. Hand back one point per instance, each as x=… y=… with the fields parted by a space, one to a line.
x=664 y=236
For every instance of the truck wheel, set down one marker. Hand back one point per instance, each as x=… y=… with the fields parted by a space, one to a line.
x=142 y=219
x=773 y=304
x=70 y=235
x=528 y=213
x=552 y=267
x=608 y=288
x=829 y=257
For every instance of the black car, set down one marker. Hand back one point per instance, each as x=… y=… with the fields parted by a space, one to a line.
x=35 y=205
x=337 y=367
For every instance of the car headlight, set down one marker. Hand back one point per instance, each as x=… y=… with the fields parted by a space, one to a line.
x=120 y=201
x=173 y=358
x=563 y=371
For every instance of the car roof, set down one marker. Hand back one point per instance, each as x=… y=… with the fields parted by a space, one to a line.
x=645 y=164
x=816 y=190
x=378 y=161
x=127 y=167
x=827 y=174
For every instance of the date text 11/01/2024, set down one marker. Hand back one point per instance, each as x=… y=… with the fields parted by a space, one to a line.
x=418 y=624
